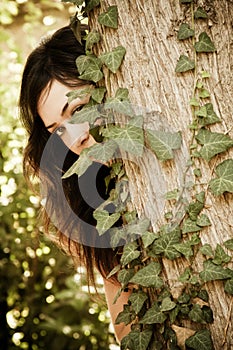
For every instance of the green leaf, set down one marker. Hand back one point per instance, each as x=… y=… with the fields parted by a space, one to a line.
x=203 y=93
x=229 y=286
x=229 y=244
x=122 y=94
x=220 y=256
x=203 y=220
x=163 y=143
x=200 y=13
x=204 y=44
x=167 y=304
x=206 y=249
x=190 y=226
x=104 y=220
x=114 y=271
x=109 y=18
x=174 y=194
x=130 y=253
x=153 y=315
x=194 y=209
x=148 y=276
x=184 y=64
x=184 y=277
x=89 y=68
x=194 y=102
x=103 y=152
x=113 y=59
x=213 y=272
x=125 y=276
x=201 y=340
x=137 y=300
x=184 y=248
x=142 y=339
x=165 y=244
x=148 y=238
x=185 y=32
x=80 y=166
x=75 y=2
x=207 y=115
x=98 y=94
x=124 y=316
x=213 y=143
x=196 y=314
x=89 y=113
x=224 y=181
x=91 y=4
x=139 y=227
x=79 y=93
x=186 y=1
x=129 y=138
x=126 y=343
x=92 y=38
x=200 y=197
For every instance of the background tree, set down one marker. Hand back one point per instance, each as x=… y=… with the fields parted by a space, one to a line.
x=44 y=303
x=177 y=67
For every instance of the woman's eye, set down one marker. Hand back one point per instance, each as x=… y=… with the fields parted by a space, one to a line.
x=60 y=130
x=77 y=109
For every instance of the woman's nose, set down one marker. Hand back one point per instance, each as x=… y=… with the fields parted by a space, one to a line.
x=74 y=132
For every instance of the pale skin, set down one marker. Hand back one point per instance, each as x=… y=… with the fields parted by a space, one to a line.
x=55 y=111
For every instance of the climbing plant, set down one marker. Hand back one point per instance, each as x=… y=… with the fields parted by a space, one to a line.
x=157 y=315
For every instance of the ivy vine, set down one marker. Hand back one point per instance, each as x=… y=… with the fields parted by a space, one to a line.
x=155 y=321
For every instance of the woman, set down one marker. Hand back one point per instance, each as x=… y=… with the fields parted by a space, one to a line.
x=49 y=74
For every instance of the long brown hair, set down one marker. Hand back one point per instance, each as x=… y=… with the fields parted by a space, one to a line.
x=54 y=59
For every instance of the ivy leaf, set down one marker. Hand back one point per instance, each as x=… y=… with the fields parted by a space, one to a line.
x=194 y=209
x=224 y=181
x=120 y=106
x=186 y=1
x=114 y=271
x=229 y=286
x=184 y=248
x=163 y=143
x=203 y=220
x=196 y=314
x=190 y=226
x=125 y=276
x=92 y=38
x=200 y=13
x=201 y=340
x=139 y=227
x=207 y=115
x=184 y=64
x=130 y=253
x=140 y=339
x=89 y=68
x=185 y=32
x=103 y=152
x=80 y=93
x=126 y=342
x=229 y=244
x=89 y=113
x=124 y=316
x=122 y=94
x=204 y=44
x=75 y=2
x=104 y=220
x=206 y=249
x=167 y=304
x=148 y=276
x=137 y=300
x=148 y=238
x=220 y=256
x=203 y=93
x=153 y=315
x=80 y=166
x=91 y=4
x=213 y=143
x=213 y=272
x=129 y=138
x=165 y=244
x=98 y=94
x=109 y=18
x=113 y=59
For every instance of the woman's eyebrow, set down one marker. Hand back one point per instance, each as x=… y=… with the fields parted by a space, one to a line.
x=62 y=113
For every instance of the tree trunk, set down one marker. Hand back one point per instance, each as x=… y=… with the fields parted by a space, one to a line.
x=148 y=30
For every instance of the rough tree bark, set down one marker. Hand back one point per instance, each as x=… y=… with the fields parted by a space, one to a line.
x=148 y=31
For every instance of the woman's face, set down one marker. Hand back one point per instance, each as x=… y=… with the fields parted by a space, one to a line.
x=55 y=112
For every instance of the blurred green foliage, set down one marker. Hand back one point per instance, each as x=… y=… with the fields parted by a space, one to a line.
x=43 y=302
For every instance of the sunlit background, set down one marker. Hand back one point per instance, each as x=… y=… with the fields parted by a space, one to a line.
x=44 y=303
